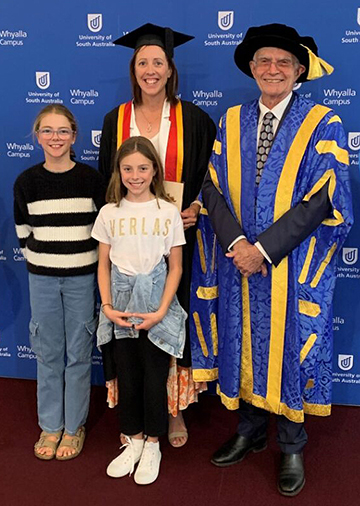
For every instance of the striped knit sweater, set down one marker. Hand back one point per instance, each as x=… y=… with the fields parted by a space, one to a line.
x=54 y=215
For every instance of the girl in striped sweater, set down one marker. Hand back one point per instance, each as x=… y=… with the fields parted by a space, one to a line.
x=56 y=203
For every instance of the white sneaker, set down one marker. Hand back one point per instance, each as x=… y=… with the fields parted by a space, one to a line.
x=148 y=468
x=125 y=462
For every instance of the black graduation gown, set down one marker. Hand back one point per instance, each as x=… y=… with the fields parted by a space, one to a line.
x=199 y=134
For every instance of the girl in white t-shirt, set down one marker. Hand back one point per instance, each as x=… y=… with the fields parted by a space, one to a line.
x=136 y=230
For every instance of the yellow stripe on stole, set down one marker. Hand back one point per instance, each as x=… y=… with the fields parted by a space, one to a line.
x=317 y=409
x=309 y=308
x=334 y=222
x=323 y=265
x=214 y=334
x=201 y=250
x=230 y=402
x=310 y=253
x=307 y=347
x=200 y=375
x=294 y=415
x=217 y=147
x=324 y=147
x=234 y=180
x=214 y=177
x=234 y=157
x=310 y=383
x=247 y=378
x=279 y=281
x=200 y=334
x=120 y=122
x=207 y=292
x=180 y=141
x=330 y=176
x=334 y=119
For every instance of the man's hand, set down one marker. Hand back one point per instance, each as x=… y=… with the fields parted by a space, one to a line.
x=247 y=258
x=189 y=215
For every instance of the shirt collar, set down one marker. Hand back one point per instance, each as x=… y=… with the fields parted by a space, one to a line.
x=277 y=111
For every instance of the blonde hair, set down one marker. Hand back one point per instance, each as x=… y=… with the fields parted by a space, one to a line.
x=62 y=111
x=116 y=189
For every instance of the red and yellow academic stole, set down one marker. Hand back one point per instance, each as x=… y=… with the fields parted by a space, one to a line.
x=175 y=148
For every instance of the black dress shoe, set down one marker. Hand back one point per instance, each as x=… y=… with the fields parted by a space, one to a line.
x=292 y=474
x=236 y=449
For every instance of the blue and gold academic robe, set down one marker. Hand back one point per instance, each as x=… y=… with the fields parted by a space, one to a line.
x=269 y=340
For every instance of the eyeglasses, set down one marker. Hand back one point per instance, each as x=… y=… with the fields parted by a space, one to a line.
x=62 y=133
x=284 y=63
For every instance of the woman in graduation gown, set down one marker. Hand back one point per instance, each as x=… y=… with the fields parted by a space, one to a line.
x=183 y=135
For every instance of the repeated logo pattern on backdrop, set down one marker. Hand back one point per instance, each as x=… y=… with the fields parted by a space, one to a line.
x=51 y=57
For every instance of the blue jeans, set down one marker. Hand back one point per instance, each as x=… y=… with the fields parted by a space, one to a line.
x=61 y=334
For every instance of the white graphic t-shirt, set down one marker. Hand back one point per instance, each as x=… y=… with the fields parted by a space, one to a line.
x=139 y=234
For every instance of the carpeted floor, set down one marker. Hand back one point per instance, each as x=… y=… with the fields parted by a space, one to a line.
x=186 y=478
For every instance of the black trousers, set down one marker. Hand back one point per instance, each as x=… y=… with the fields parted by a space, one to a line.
x=291 y=436
x=142 y=372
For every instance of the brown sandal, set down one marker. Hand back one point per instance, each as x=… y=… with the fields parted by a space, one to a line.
x=45 y=442
x=173 y=435
x=76 y=442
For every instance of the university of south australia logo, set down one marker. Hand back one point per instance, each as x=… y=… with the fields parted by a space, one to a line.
x=96 y=137
x=225 y=19
x=42 y=80
x=94 y=22
x=349 y=255
x=354 y=141
x=345 y=362
x=358 y=15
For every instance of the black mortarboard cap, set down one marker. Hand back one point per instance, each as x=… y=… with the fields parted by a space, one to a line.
x=154 y=35
x=274 y=35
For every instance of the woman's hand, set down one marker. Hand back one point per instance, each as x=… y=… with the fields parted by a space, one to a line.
x=149 y=319
x=200 y=387
x=118 y=317
x=190 y=215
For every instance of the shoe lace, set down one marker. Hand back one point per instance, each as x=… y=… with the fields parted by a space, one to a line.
x=147 y=457
x=129 y=444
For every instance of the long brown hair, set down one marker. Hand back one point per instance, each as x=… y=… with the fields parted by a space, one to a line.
x=116 y=189
x=171 y=85
x=62 y=111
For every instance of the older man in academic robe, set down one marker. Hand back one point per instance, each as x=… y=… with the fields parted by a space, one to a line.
x=278 y=198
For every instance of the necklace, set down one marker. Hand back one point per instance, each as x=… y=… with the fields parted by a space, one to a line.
x=149 y=124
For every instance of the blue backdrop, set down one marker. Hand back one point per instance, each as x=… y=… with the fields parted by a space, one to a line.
x=63 y=53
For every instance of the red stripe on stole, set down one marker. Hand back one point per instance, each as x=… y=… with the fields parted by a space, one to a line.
x=126 y=122
x=172 y=147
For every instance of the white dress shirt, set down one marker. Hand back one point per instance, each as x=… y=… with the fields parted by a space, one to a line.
x=160 y=140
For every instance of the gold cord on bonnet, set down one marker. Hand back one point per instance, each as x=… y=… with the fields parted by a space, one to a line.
x=317 y=66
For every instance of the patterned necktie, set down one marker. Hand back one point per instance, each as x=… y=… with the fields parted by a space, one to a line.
x=265 y=140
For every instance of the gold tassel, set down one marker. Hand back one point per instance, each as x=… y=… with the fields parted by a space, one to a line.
x=317 y=66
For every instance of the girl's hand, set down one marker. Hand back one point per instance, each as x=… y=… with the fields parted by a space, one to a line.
x=149 y=319
x=118 y=317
